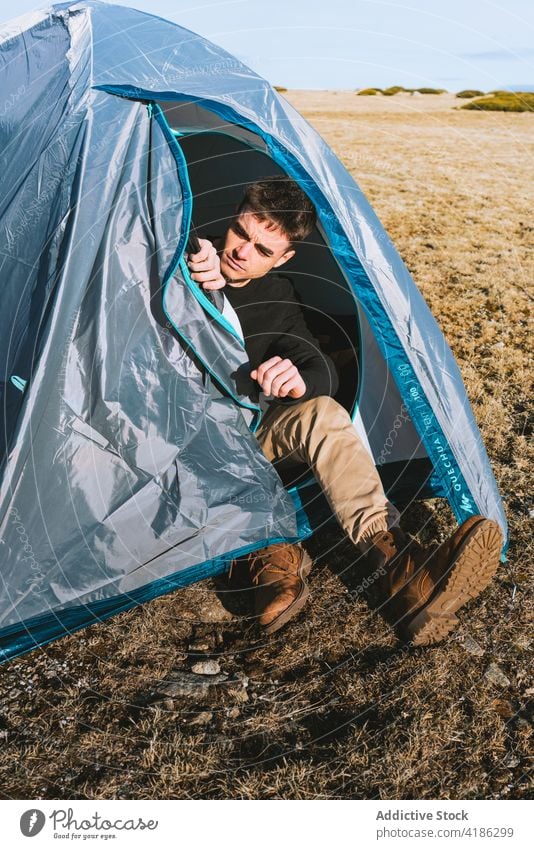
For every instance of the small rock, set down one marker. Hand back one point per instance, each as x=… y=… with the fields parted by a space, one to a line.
x=232 y=713
x=202 y=718
x=531 y=513
x=472 y=646
x=215 y=612
x=499 y=345
x=199 y=647
x=168 y=704
x=206 y=667
x=496 y=676
x=510 y=761
x=184 y=683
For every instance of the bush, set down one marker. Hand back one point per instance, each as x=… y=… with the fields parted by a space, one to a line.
x=394 y=89
x=280 y=88
x=507 y=101
x=470 y=92
x=431 y=90
x=370 y=91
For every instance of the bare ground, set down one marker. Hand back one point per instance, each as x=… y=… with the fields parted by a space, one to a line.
x=333 y=707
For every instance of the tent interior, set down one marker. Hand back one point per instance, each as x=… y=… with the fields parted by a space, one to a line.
x=222 y=158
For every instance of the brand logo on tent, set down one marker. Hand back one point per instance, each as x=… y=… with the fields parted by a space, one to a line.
x=466 y=504
x=32 y=822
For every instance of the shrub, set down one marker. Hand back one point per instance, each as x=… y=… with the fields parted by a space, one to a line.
x=394 y=89
x=370 y=91
x=431 y=90
x=280 y=88
x=470 y=92
x=520 y=101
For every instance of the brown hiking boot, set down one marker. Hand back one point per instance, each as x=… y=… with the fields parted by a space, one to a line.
x=421 y=589
x=279 y=573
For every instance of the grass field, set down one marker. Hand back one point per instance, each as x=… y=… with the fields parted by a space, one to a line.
x=333 y=707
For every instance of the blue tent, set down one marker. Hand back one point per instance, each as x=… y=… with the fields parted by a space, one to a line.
x=129 y=461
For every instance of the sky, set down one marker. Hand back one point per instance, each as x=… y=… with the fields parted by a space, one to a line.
x=348 y=44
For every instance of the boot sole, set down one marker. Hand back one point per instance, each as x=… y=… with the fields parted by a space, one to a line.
x=475 y=565
x=297 y=605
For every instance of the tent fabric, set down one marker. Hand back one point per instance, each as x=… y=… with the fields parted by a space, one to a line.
x=129 y=462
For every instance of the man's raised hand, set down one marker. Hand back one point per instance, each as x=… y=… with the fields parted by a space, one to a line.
x=279 y=378
x=205 y=266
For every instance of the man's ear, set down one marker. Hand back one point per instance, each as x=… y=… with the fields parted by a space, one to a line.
x=284 y=258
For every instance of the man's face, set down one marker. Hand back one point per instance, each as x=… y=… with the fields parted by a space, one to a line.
x=252 y=248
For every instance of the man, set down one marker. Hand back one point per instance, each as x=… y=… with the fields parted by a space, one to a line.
x=418 y=590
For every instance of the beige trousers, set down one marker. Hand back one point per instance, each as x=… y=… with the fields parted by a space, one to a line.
x=320 y=433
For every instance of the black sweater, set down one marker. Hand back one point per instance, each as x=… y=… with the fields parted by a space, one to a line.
x=273 y=325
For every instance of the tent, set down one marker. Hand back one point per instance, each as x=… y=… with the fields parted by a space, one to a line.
x=129 y=461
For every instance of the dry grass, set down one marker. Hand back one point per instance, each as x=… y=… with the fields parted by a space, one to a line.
x=333 y=707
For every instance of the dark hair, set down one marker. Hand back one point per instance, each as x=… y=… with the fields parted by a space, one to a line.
x=282 y=201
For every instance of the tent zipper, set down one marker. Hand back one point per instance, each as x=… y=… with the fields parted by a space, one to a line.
x=179 y=262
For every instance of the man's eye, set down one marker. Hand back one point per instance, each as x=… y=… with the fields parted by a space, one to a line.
x=263 y=252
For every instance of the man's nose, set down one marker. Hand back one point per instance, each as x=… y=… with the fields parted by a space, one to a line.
x=243 y=250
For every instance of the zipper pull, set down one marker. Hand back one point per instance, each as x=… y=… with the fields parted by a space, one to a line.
x=19 y=382
x=150 y=109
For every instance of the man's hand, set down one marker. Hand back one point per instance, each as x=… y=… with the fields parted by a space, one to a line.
x=279 y=378
x=205 y=266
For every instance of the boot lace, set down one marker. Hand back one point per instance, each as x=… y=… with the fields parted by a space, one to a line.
x=260 y=562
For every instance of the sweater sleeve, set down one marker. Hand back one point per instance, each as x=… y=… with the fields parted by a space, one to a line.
x=295 y=342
